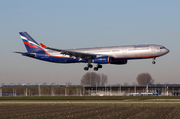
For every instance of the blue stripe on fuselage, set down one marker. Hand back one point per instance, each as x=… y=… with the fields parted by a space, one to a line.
x=45 y=57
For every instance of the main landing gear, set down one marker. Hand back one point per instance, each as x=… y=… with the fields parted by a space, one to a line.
x=153 y=62
x=90 y=66
x=98 y=66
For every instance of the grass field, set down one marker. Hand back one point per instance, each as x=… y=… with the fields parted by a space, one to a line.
x=132 y=103
x=67 y=108
x=87 y=97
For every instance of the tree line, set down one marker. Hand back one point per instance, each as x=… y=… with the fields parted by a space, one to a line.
x=92 y=79
x=95 y=79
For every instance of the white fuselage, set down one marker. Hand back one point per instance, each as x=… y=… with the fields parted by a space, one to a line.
x=123 y=52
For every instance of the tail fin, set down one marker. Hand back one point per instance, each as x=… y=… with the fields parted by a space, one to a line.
x=31 y=45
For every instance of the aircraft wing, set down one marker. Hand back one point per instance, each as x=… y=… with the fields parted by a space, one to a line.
x=84 y=56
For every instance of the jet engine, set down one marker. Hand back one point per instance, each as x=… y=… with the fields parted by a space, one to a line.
x=118 y=61
x=102 y=60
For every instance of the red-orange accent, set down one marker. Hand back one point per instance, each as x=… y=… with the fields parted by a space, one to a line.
x=42 y=45
x=135 y=57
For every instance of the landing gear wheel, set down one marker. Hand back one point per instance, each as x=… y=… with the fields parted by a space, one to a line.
x=90 y=65
x=86 y=68
x=95 y=68
x=99 y=66
x=153 y=62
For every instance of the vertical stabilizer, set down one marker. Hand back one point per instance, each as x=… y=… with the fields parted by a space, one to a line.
x=31 y=45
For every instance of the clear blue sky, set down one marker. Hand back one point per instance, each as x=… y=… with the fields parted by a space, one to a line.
x=80 y=23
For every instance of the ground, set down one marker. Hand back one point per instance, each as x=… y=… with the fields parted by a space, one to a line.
x=21 y=111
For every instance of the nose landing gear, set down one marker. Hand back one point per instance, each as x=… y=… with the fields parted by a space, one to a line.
x=153 y=62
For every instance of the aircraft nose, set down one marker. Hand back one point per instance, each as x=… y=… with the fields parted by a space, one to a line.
x=167 y=51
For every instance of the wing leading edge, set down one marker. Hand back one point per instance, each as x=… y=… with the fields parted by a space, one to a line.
x=82 y=55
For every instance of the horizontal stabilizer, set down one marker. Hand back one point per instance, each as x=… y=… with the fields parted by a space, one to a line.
x=28 y=54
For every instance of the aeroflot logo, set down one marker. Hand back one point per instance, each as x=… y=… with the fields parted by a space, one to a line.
x=102 y=59
x=141 y=46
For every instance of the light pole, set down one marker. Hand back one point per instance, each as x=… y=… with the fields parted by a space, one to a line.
x=26 y=91
x=96 y=88
x=105 y=89
x=39 y=89
x=110 y=89
x=173 y=91
x=65 y=92
x=120 y=89
x=147 y=88
x=77 y=92
x=134 y=88
x=90 y=79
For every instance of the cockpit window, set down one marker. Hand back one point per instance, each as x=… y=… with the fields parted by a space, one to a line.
x=162 y=48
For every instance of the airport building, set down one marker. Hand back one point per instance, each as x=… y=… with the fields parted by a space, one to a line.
x=153 y=89
x=78 y=90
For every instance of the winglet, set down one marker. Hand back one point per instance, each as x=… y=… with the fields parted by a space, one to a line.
x=42 y=45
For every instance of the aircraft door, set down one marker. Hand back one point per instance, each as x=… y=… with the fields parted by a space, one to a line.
x=152 y=49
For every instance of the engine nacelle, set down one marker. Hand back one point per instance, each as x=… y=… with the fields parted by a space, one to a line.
x=102 y=60
x=118 y=61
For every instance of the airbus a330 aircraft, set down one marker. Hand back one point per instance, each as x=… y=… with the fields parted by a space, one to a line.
x=99 y=55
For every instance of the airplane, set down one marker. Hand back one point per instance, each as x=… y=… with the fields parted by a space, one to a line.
x=117 y=55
